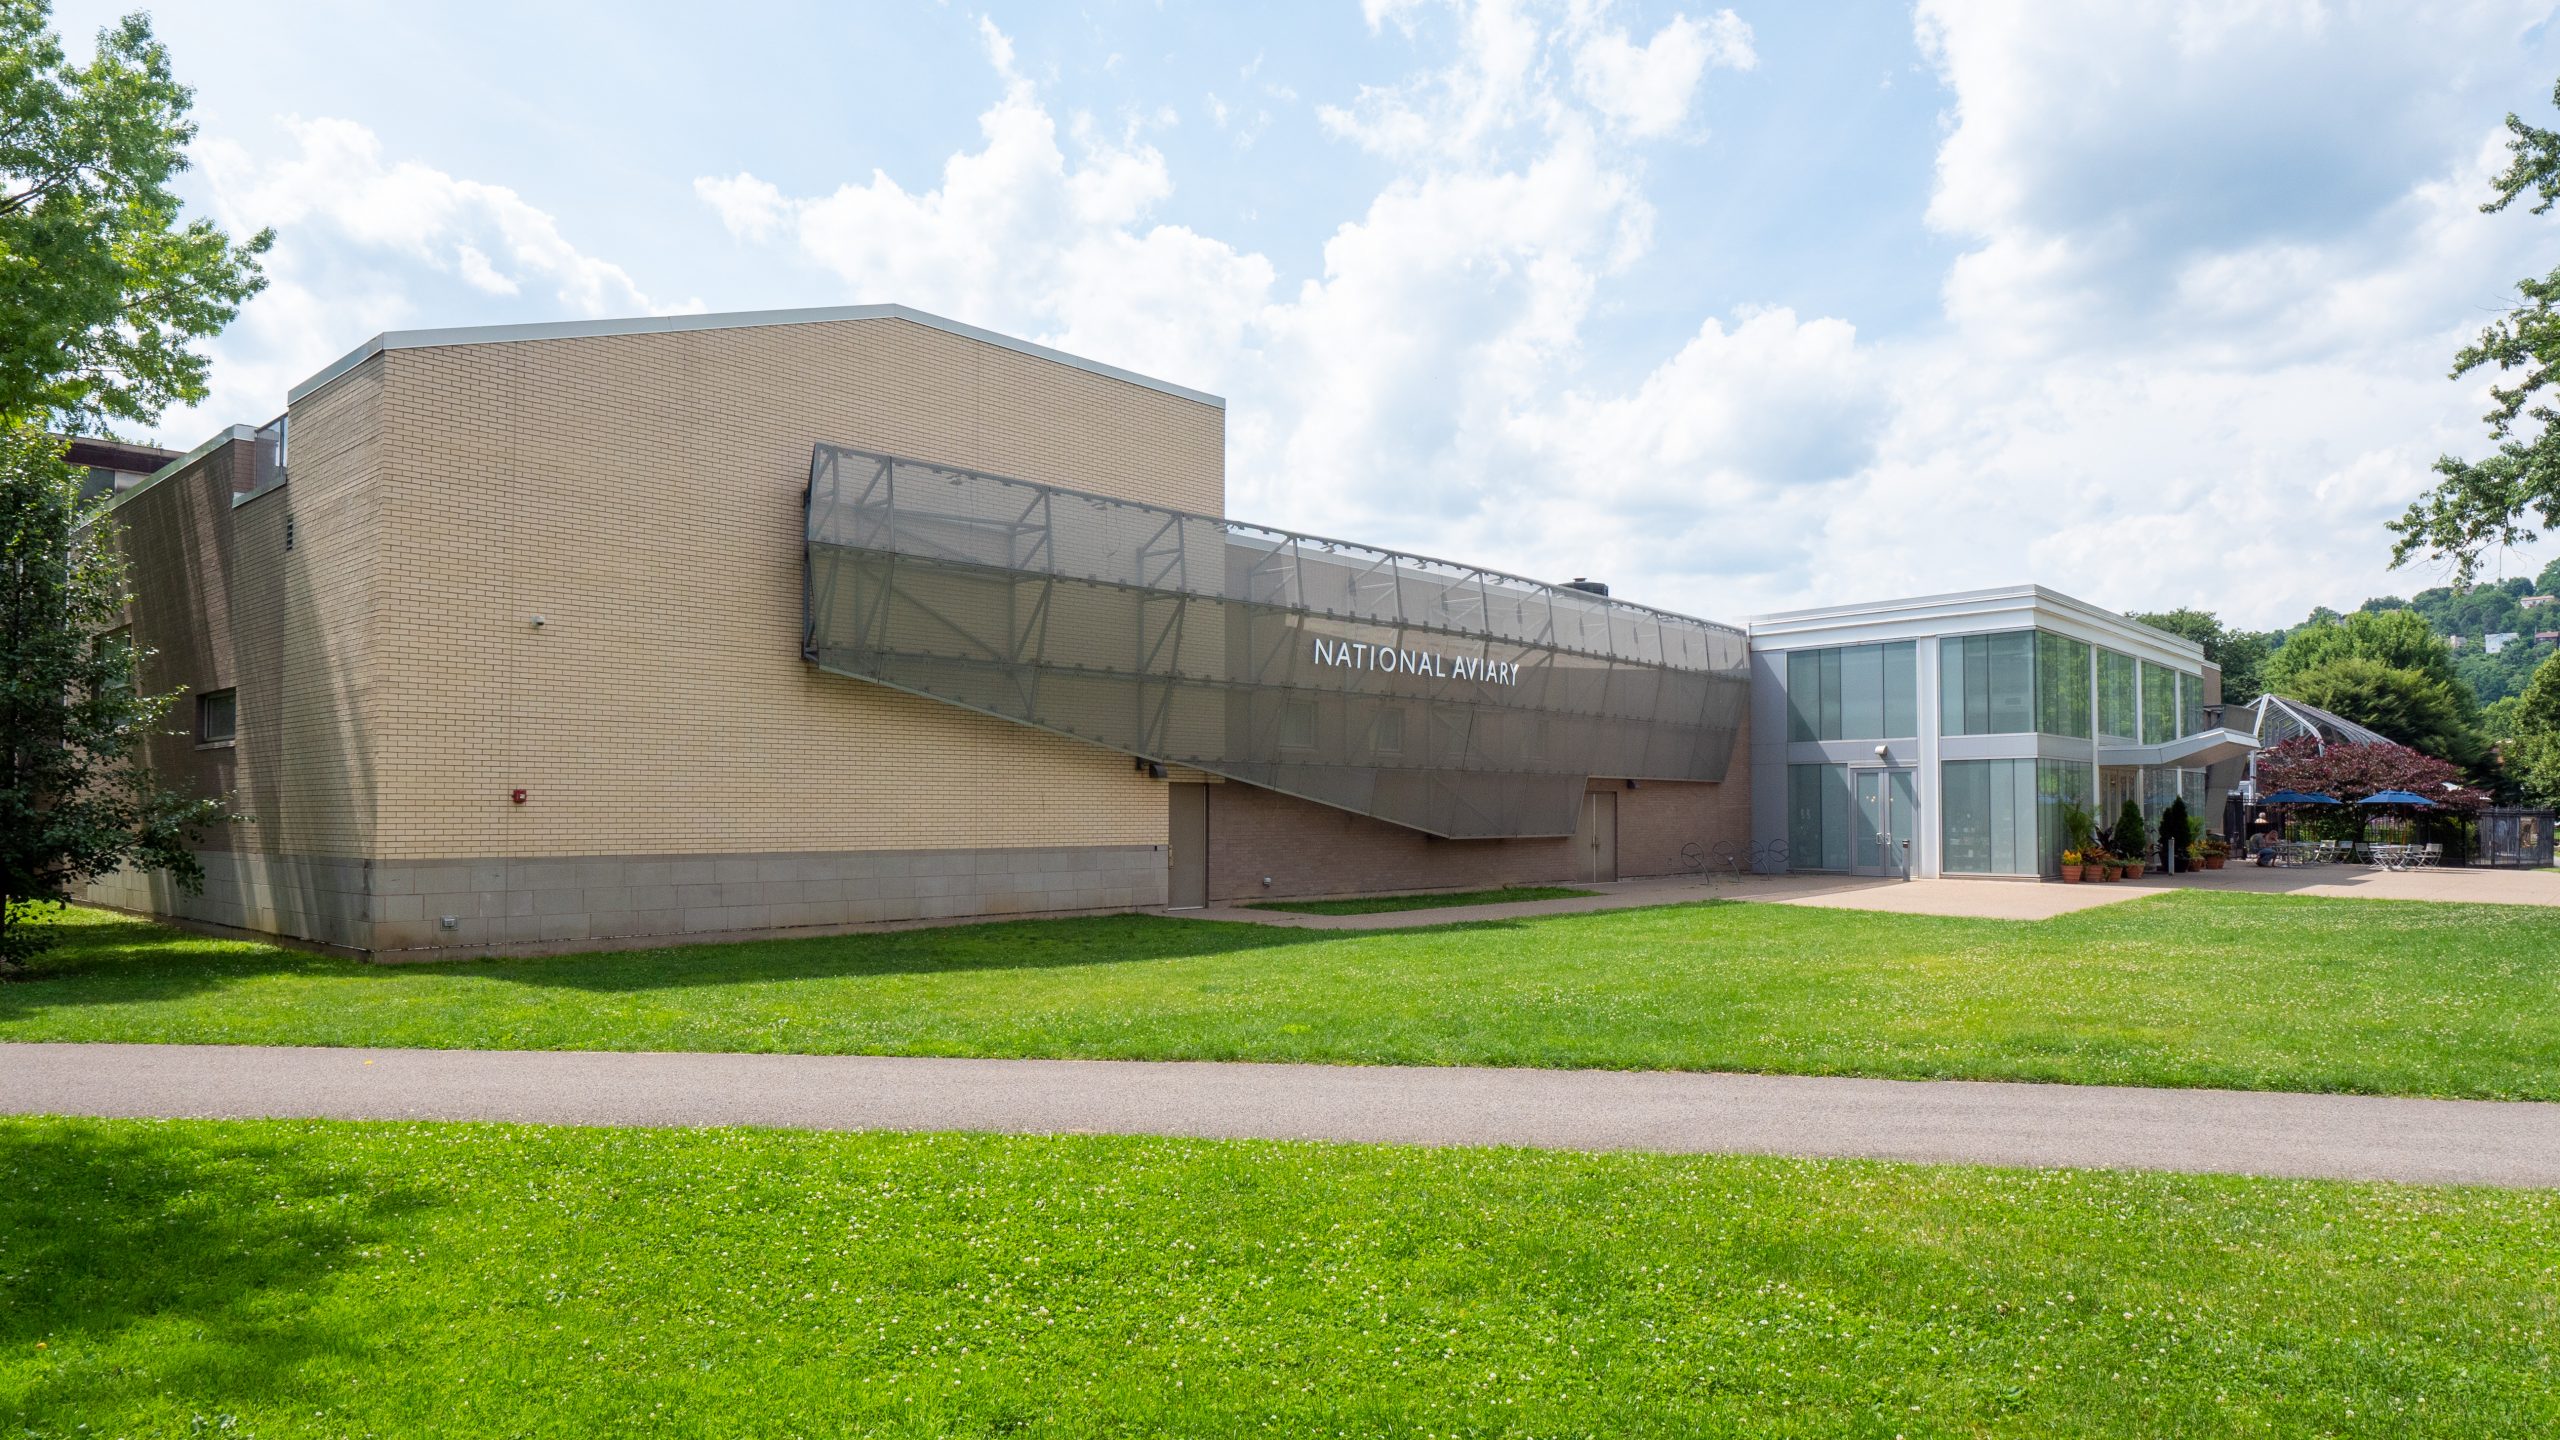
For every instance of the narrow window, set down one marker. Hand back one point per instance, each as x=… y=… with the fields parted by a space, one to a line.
x=217 y=717
x=1298 y=724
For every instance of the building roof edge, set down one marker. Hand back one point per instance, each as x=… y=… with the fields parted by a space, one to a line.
x=729 y=320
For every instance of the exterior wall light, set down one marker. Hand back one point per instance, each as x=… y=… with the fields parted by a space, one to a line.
x=516 y=796
x=1882 y=753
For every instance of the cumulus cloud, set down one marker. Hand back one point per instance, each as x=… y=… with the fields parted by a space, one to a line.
x=1420 y=383
x=1648 y=89
x=2216 y=260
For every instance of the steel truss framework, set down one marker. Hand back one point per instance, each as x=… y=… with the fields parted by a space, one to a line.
x=1457 y=701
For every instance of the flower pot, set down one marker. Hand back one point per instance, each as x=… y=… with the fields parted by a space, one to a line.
x=2213 y=862
x=2071 y=874
x=2133 y=871
x=2110 y=872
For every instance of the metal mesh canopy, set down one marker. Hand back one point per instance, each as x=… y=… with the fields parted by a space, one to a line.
x=1457 y=701
x=2277 y=719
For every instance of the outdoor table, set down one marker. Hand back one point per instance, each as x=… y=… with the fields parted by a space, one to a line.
x=2390 y=857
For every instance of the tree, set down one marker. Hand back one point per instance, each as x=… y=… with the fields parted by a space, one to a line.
x=2177 y=832
x=2506 y=498
x=2131 y=838
x=2533 y=752
x=2239 y=654
x=104 y=291
x=76 y=801
x=2410 y=706
x=2548 y=583
x=2351 y=772
x=103 y=288
x=2401 y=639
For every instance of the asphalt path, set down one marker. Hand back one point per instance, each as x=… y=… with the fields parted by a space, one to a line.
x=1970 y=1122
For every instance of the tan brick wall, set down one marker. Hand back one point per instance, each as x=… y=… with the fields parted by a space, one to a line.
x=643 y=494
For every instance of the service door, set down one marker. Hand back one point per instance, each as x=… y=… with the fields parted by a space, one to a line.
x=1187 y=857
x=1596 y=843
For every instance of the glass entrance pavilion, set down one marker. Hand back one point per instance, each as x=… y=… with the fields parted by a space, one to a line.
x=1946 y=735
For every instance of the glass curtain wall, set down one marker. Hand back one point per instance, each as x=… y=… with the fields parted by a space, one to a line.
x=2062 y=685
x=2004 y=817
x=2159 y=703
x=1818 y=817
x=2119 y=699
x=2012 y=683
x=1854 y=692
x=1987 y=684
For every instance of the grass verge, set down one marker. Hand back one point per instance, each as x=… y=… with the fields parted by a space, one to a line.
x=1382 y=904
x=2187 y=989
x=312 y=1279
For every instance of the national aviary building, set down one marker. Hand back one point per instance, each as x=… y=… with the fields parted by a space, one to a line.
x=611 y=632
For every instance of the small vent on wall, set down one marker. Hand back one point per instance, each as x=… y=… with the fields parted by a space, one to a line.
x=288 y=529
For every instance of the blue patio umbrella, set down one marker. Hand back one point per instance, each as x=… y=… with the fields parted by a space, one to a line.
x=2297 y=797
x=2396 y=797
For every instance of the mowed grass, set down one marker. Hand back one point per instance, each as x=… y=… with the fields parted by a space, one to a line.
x=315 y=1279
x=2187 y=989
x=1436 y=900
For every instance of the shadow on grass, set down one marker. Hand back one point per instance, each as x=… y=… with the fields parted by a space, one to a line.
x=108 y=959
x=212 y=1254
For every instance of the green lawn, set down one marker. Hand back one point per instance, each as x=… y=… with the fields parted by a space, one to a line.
x=1380 y=904
x=2250 y=991
x=308 y=1279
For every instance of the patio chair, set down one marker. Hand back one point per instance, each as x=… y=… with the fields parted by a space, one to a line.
x=2431 y=854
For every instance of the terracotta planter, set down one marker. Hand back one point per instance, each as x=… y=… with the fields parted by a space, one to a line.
x=2213 y=862
x=2110 y=872
x=2071 y=874
x=2133 y=872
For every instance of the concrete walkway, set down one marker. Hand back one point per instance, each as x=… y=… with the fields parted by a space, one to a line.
x=2336 y=1136
x=1978 y=899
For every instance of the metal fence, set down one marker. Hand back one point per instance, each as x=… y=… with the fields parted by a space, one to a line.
x=1458 y=701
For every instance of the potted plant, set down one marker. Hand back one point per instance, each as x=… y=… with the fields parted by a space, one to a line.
x=2216 y=851
x=2070 y=867
x=2098 y=866
x=2132 y=837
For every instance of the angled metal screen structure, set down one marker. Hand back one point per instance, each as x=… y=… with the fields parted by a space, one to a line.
x=1456 y=701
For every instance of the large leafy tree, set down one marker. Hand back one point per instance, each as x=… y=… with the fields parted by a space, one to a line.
x=2533 y=746
x=2351 y=772
x=2401 y=639
x=76 y=801
x=2239 y=654
x=104 y=290
x=2407 y=705
x=2506 y=498
x=104 y=287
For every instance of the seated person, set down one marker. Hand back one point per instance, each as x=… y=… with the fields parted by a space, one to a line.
x=2262 y=847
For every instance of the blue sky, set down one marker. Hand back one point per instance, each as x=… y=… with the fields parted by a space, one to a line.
x=1741 y=309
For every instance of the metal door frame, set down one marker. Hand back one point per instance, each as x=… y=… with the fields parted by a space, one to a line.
x=1892 y=865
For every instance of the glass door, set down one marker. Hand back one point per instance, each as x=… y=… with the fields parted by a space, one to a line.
x=1886 y=803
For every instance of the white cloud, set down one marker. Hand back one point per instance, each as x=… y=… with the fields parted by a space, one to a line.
x=1420 y=383
x=364 y=244
x=1648 y=89
x=2217 y=260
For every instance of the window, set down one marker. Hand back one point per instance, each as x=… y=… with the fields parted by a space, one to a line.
x=2159 y=703
x=1818 y=817
x=1987 y=683
x=2119 y=703
x=217 y=717
x=1854 y=692
x=1387 y=737
x=1298 y=724
x=2062 y=686
x=2004 y=817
